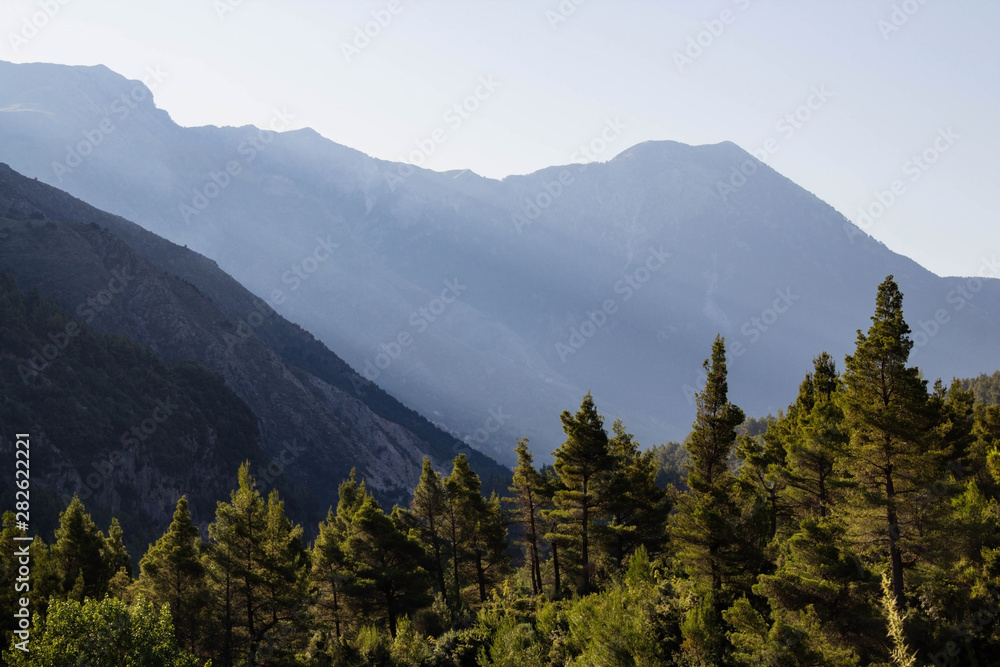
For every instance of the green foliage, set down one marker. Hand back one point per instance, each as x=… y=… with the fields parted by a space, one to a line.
x=257 y=566
x=859 y=527
x=895 y=449
x=985 y=387
x=172 y=573
x=104 y=633
x=583 y=464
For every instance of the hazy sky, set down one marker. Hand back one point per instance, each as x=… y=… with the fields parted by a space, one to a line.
x=840 y=96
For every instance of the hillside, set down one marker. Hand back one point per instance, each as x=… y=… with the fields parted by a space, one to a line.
x=315 y=429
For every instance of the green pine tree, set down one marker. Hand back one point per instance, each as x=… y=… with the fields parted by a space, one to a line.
x=893 y=453
x=172 y=573
x=428 y=505
x=528 y=499
x=387 y=579
x=79 y=553
x=583 y=463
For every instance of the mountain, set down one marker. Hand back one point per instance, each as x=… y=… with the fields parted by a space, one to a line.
x=312 y=418
x=491 y=306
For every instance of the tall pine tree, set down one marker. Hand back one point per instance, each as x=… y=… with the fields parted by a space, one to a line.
x=892 y=454
x=582 y=462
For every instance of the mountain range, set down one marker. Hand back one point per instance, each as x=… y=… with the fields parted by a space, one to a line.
x=488 y=306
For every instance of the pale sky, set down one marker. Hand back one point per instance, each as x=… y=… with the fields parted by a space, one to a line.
x=886 y=81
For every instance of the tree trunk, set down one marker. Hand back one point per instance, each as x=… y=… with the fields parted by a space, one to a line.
x=555 y=568
x=481 y=576
x=895 y=555
x=536 y=575
x=584 y=556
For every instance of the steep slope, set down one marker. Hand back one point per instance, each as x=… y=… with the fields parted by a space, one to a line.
x=312 y=432
x=110 y=422
x=479 y=301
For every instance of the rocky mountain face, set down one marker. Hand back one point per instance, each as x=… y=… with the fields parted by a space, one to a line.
x=313 y=418
x=491 y=306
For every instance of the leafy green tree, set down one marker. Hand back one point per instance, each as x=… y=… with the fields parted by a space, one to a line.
x=583 y=463
x=528 y=499
x=329 y=573
x=387 y=579
x=893 y=453
x=103 y=633
x=172 y=573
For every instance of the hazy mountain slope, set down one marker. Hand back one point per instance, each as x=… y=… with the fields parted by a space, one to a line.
x=316 y=430
x=532 y=257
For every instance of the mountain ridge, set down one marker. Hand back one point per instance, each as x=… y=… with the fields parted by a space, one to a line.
x=540 y=257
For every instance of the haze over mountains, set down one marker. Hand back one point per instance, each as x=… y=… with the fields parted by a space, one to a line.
x=490 y=306
x=293 y=408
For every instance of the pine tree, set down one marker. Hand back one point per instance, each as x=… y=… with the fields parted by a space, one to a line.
x=79 y=553
x=636 y=507
x=172 y=573
x=329 y=573
x=704 y=523
x=892 y=453
x=387 y=579
x=259 y=560
x=428 y=505
x=559 y=542
x=528 y=489
x=823 y=601
x=582 y=463
x=815 y=441
x=116 y=558
x=489 y=545
x=464 y=505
